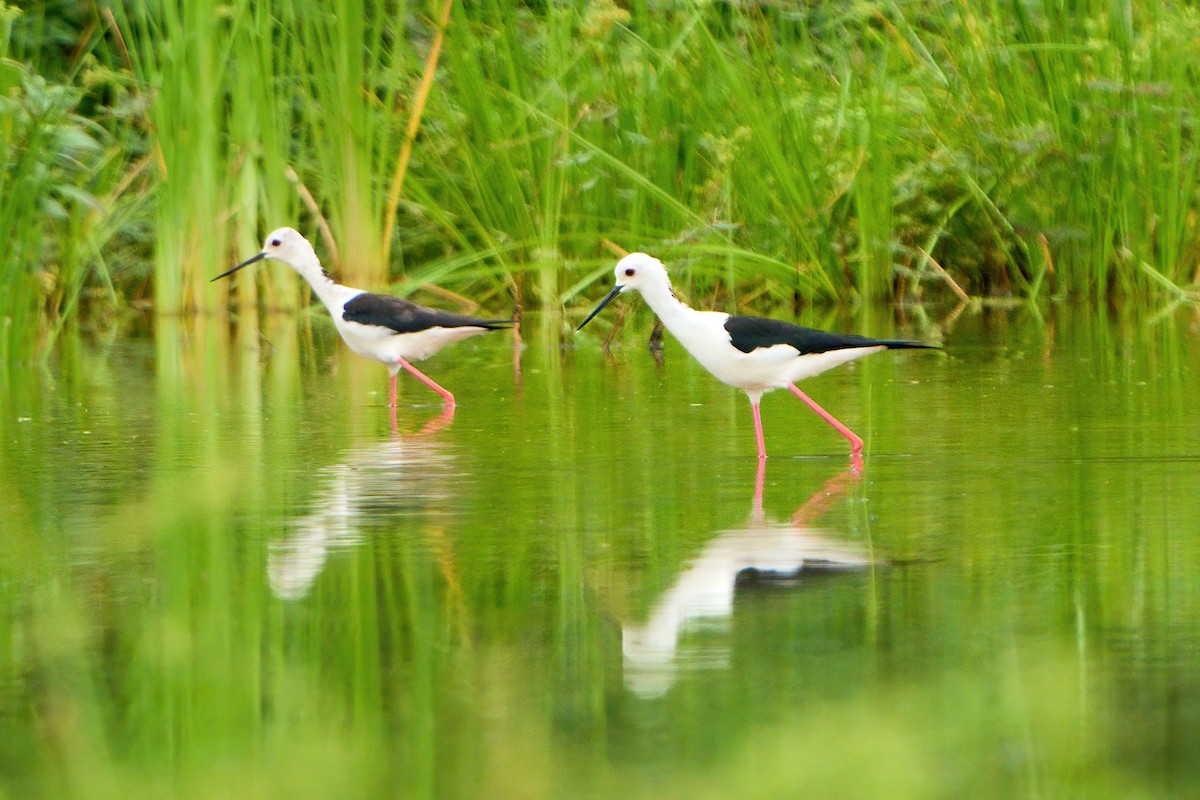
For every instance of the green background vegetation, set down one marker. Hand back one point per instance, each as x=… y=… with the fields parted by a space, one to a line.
x=790 y=153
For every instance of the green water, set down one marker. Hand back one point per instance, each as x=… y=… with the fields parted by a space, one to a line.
x=221 y=576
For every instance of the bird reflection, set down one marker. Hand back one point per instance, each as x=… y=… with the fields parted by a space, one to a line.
x=702 y=596
x=403 y=475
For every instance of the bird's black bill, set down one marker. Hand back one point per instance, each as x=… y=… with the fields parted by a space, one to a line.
x=245 y=263
x=616 y=291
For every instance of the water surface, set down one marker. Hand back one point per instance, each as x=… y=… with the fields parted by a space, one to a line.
x=222 y=575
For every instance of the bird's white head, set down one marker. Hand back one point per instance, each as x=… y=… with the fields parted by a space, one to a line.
x=638 y=270
x=635 y=272
x=288 y=246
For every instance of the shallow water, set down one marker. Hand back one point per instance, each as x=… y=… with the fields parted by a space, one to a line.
x=222 y=575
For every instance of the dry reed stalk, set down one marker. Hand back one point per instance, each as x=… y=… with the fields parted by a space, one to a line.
x=414 y=123
x=958 y=290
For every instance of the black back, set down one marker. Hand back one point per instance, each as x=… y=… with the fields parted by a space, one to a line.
x=405 y=316
x=750 y=333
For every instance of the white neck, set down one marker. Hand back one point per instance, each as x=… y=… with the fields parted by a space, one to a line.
x=670 y=309
x=700 y=332
x=332 y=294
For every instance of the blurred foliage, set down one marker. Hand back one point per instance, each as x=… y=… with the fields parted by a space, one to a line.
x=71 y=200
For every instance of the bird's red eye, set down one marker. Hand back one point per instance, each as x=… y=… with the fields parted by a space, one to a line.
x=629 y=272
x=275 y=243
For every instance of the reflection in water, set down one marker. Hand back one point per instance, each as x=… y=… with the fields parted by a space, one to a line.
x=372 y=484
x=703 y=594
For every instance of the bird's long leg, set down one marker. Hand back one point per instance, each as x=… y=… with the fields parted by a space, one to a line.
x=759 y=478
x=430 y=382
x=758 y=434
x=856 y=442
x=392 y=403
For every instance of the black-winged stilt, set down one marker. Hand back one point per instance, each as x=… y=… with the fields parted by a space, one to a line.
x=754 y=354
x=388 y=329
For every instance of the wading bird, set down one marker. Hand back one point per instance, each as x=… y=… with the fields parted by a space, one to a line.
x=754 y=354
x=388 y=329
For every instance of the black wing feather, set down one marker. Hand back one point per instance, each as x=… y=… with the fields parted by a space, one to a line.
x=750 y=333
x=405 y=316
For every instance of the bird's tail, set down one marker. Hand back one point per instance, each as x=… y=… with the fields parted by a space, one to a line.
x=908 y=344
x=495 y=324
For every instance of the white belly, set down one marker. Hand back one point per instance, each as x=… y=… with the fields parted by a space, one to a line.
x=760 y=370
x=384 y=344
x=775 y=367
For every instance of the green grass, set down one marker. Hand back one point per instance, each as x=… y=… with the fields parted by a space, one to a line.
x=794 y=155
x=70 y=189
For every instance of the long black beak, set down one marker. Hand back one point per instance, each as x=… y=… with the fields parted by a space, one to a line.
x=616 y=290
x=245 y=263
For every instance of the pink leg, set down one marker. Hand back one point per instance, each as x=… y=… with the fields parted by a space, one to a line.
x=392 y=404
x=759 y=479
x=856 y=442
x=758 y=434
x=449 y=398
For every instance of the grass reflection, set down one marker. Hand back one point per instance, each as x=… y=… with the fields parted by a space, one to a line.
x=453 y=602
